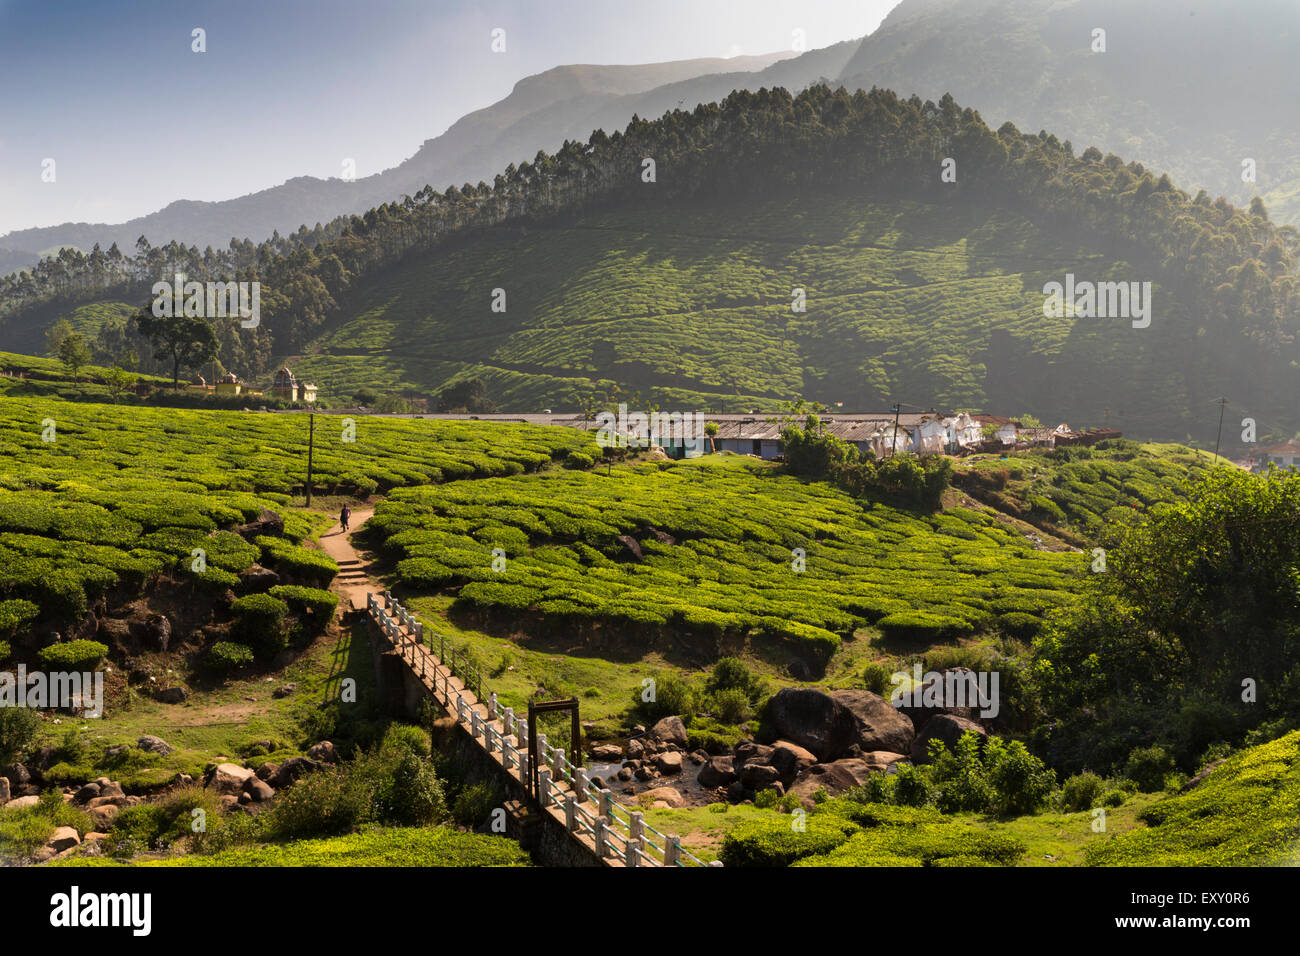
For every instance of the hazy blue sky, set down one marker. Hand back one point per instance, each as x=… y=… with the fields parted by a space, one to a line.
x=134 y=119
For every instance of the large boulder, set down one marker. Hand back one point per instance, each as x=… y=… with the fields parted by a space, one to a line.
x=834 y=778
x=759 y=776
x=17 y=775
x=104 y=816
x=268 y=522
x=883 y=760
x=171 y=695
x=813 y=720
x=254 y=579
x=259 y=791
x=668 y=763
x=877 y=723
x=716 y=772
x=155 y=745
x=953 y=690
x=668 y=796
x=790 y=759
x=669 y=730
x=87 y=793
x=228 y=778
x=65 y=838
x=323 y=751
x=19 y=803
x=944 y=727
x=5 y=793
x=607 y=753
x=291 y=770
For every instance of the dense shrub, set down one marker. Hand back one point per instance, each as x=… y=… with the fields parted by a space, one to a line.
x=1148 y=767
x=730 y=706
x=731 y=673
x=473 y=805
x=878 y=678
x=672 y=696
x=1081 y=792
x=18 y=728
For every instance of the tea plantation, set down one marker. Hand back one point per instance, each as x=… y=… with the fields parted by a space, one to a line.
x=728 y=547
x=903 y=299
x=94 y=497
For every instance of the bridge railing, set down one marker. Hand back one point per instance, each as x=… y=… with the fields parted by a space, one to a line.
x=618 y=832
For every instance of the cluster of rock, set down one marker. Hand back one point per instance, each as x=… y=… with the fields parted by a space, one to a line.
x=102 y=799
x=832 y=742
x=823 y=741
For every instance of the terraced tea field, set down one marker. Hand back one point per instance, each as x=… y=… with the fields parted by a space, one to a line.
x=92 y=496
x=720 y=539
x=693 y=304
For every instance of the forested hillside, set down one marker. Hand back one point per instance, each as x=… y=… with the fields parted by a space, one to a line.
x=916 y=289
x=1190 y=88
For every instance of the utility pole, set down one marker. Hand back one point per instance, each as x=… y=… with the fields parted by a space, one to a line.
x=893 y=441
x=1222 y=403
x=311 y=441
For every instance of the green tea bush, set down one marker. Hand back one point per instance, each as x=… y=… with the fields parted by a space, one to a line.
x=73 y=655
x=259 y=622
x=320 y=604
x=776 y=843
x=14 y=614
x=226 y=657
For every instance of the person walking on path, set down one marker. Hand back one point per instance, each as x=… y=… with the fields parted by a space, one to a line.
x=344 y=515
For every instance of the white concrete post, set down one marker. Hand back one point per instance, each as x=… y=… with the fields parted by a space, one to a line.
x=544 y=786
x=570 y=813
x=474 y=724
x=492 y=706
x=636 y=829
x=580 y=784
x=602 y=803
x=510 y=720
x=600 y=838
x=460 y=707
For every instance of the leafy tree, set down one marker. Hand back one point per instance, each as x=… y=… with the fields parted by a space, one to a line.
x=186 y=341
x=467 y=395
x=118 y=381
x=56 y=335
x=74 y=353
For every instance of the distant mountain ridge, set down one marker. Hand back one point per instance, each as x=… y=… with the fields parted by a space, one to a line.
x=567 y=102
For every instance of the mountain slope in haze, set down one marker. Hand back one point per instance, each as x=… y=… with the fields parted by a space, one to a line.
x=1185 y=86
x=918 y=289
x=542 y=111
